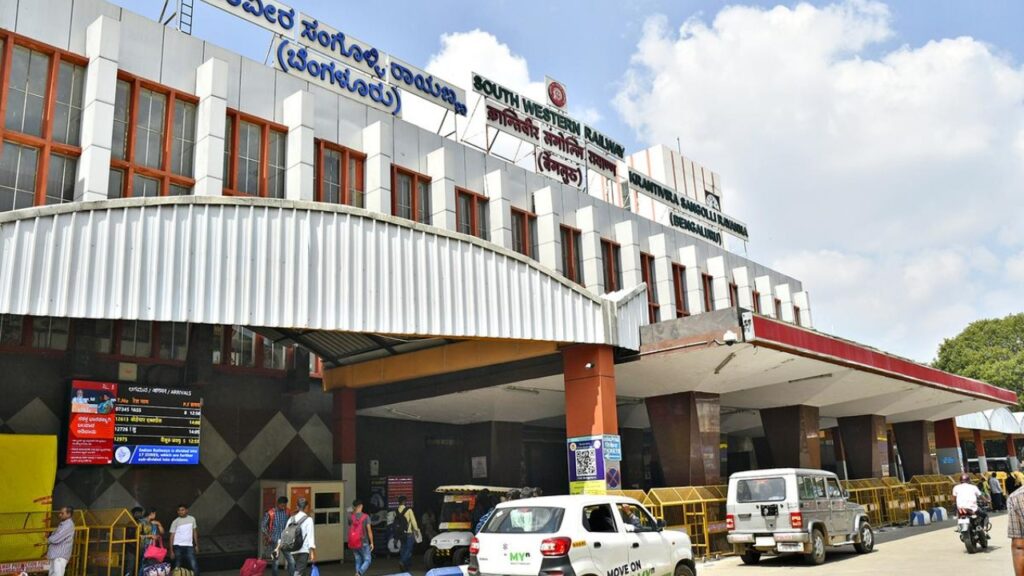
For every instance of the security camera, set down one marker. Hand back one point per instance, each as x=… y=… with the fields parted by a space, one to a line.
x=729 y=337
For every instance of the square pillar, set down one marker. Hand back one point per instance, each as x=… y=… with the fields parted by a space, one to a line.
x=916 y=442
x=979 y=449
x=378 y=145
x=441 y=169
x=947 y=447
x=744 y=288
x=792 y=433
x=591 y=419
x=719 y=282
x=298 y=114
x=784 y=295
x=687 y=432
x=1011 y=453
x=763 y=285
x=549 y=234
x=664 y=287
x=499 y=208
x=694 y=295
x=633 y=473
x=102 y=44
x=802 y=300
x=212 y=89
x=866 y=439
x=593 y=261
x=627 y=235
x=343 y=414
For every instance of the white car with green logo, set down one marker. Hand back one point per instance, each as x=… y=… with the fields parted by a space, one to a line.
x=578 y=536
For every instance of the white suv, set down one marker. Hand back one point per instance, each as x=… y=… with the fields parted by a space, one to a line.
x=578 y=536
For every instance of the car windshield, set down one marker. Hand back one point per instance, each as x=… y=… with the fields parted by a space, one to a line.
x=525 y=520
x=761 y=490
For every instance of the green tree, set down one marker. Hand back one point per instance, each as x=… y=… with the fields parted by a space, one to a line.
x=989 y=350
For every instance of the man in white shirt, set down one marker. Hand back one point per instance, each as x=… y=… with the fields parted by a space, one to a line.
x=185 y=541
x=306 y=553
x=967 y=495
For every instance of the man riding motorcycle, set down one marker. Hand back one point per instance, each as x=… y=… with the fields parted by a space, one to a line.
x=967 y=496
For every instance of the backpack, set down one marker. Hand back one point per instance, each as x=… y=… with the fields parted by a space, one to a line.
x=402 y=523
x=356 y=528
x=292 y=537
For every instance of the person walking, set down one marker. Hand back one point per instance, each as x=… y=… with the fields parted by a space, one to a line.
x=360 y=537
x=61 y=542
x=406 y=529
x=1015 y=530
x=274 y=521
x=185 y=541
x=996 y=490
x=298 y=540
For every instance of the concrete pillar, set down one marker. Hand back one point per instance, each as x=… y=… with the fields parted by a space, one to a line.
x=664 y=287
x=719 y=282
x=784 y=295
x=916 y=442
x=593 y=261
x=441 y=169
x=344 y=427
x=505 y=461
x=378 y=145
x=840 y=450
x=763 y=285
x=947 y=447
x=763 y=453
x=792 y=433
x=549 y=234
x=102 y=45
x=694 y=296
x=212 y=89
x=1011 y=453
x=499 y=215
x=632 y=457
x=591 y=419
x=299 y=117
x=627 y=235
x=866 y=440
x=802 y=300
x=744 y=287
x=979 y=449
x=687 y=431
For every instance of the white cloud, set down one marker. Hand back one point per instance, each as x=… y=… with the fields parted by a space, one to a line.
x=1015 y=270
x=890 y=182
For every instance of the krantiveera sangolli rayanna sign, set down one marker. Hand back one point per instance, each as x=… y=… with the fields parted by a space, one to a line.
x=305 y=47
x=688 y=214
x=564 y=143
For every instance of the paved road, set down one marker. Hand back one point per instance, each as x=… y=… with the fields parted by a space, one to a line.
x=936 y=552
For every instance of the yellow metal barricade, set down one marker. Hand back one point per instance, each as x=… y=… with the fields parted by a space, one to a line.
x=113 y=542
x=638 y=495
x=934 y=491
x=868 y=496
x=896 y=501
x=23 y=541
x=697 y=510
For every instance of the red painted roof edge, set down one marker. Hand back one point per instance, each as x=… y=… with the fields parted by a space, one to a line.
x=795 y=337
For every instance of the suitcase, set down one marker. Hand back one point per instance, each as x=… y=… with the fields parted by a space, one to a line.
x=157 y=569
x=253 y=567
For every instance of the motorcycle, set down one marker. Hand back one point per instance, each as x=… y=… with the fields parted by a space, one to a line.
x=973 y=534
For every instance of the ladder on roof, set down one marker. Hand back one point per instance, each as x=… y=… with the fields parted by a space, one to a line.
x=185 y=16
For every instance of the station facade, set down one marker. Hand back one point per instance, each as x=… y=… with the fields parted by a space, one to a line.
x=356 y=297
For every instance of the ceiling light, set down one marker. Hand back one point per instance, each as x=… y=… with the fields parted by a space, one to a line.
x=724 y=362
x=806 y=378
x=397 y=412
x=523 y=389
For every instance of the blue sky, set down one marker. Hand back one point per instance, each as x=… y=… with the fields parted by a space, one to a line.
x=875 y=149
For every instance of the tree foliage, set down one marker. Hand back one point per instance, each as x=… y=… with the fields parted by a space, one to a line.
x=989 y=350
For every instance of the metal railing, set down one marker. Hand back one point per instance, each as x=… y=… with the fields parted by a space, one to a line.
x=106 y=542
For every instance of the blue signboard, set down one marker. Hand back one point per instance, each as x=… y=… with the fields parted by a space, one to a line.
x=586 y=458
x=612 y=447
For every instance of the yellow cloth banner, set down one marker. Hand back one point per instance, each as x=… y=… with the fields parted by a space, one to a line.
x=27 y=471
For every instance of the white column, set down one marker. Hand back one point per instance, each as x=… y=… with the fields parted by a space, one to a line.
x=378 y=144
x=298 y=114
x=102 y=44
x=783 y=294
x=664 y=287
x=743 y=288
x=719 y=282
x=593 y=263
x=628 y=236
x=549 y=235
x=212 y=89
x=802 y=300
x=763 y=285
x=694 y=295
x=499 y=209
x=441 y=169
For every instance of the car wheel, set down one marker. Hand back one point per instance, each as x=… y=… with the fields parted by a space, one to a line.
x=817 y=555
x=684 y=570
x=750 y=557
x=430 y=558
x=460 y=557
x=867 y=539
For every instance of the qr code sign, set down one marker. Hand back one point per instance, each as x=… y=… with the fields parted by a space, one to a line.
x=586 y=462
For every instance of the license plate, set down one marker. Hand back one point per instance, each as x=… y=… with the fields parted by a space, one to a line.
x=791 y=547
x=764 y=542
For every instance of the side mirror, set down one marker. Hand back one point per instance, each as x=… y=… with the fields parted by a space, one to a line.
x=661 y=524
x=630 y=528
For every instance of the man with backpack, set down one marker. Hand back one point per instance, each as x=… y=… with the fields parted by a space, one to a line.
x=360 y=537
x=298 y=540
x=272 y=526
x=405 y=530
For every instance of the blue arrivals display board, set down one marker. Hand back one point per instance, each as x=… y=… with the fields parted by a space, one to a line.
x=157 y=425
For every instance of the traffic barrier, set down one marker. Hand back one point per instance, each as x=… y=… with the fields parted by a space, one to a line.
x=919 y=518
x=23 y=542
x=939 y=514
x=896 y=501
x=867 y=495
x=697 y=510
x=933 y=490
